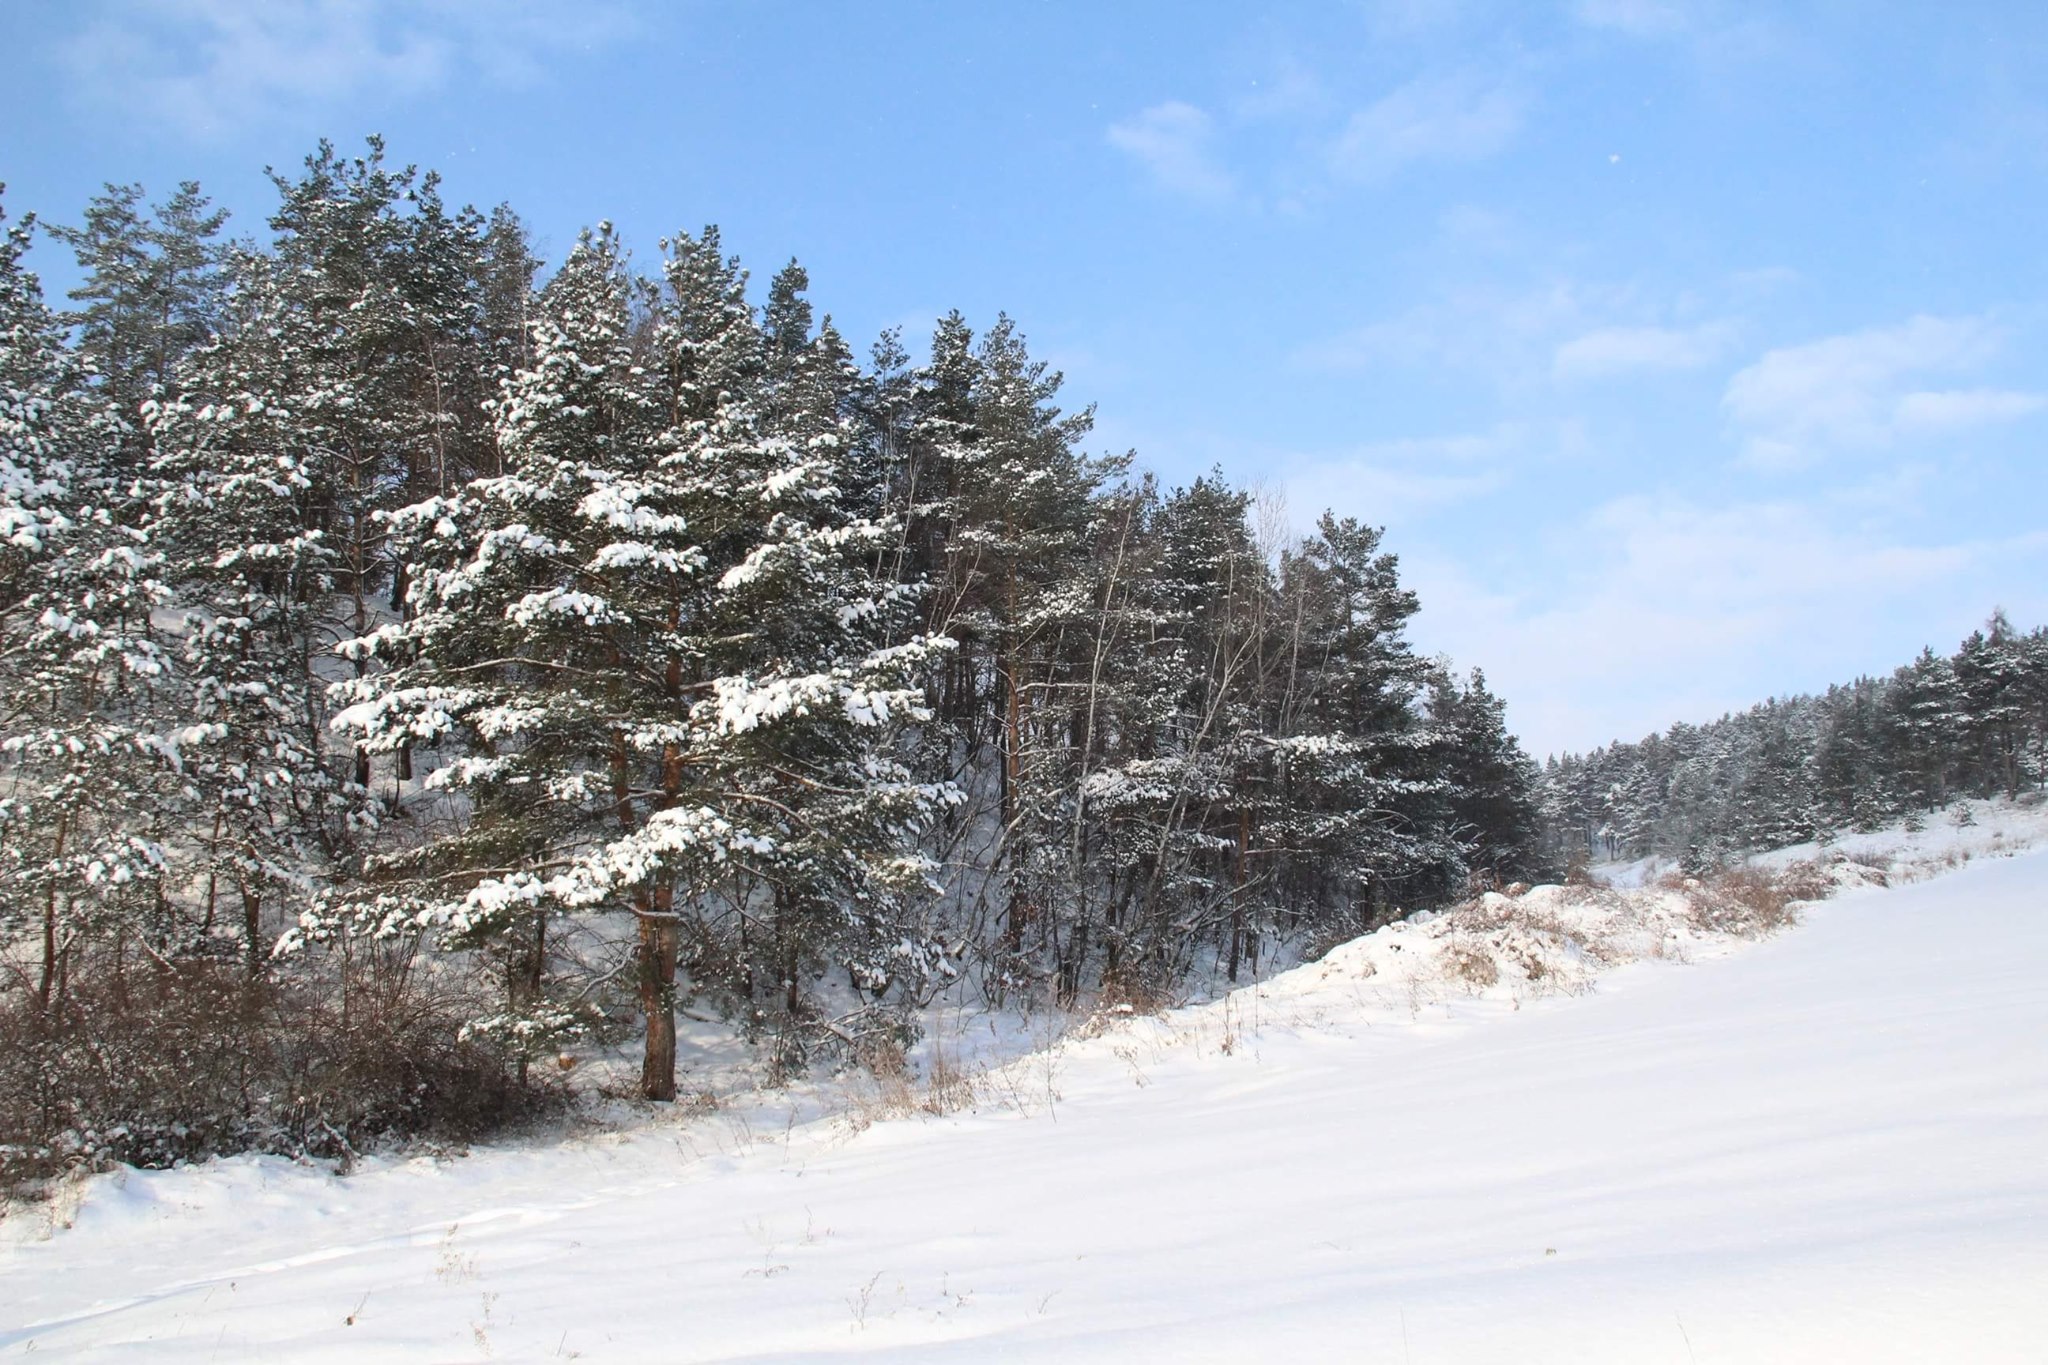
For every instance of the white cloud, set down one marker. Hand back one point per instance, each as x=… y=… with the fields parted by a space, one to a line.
x=1456 y=116
x=1655 y=609
x=1468 y=228
x=210 y=66
x=1395 y=481
x=1505 y=440
x=1764 y=282
x=1949 y=409
x=1173 y=142
x=1509 y=337
x=1852 y=391
x=1609 y=351
x=1378 y=493
x=1717 y=34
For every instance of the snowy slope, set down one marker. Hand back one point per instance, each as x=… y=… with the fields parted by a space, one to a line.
x=1828 y=1146
x=1973 y=827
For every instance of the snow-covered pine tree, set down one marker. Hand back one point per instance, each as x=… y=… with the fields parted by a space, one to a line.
x=1211 y=551
x=240 y=507
x=1773 y=799
x=152 y=293
x=1365 y=801
x=1852 y=788
x=1188 y=785
x=1493 y=783
x=1924 y=708
x=766 y=416
x=1992 y=676
x=368 y=275
x=81 y=818
x=1019 y=519
x=646 y=651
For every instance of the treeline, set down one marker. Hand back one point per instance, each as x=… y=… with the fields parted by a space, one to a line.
x=379 y=625
x=1878 y=750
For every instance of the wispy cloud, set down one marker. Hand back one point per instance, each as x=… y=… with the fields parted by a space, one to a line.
x=1454 y=116
x=1316 y=135
x=1946 y=410
x=1609 y=351
x=1858 y=391
x=1379 y=493
x=1655 y=587
x=1637 y=18
x=1398 y=480
x=204 y=67
x=1175 y=143
x=1508 y=336
x=1716 y=33
x=1502 y=441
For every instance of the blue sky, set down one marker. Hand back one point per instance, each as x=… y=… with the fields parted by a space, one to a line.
x=1690 y=353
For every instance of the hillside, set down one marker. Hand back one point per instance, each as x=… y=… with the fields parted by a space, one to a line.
x=1824 y=1145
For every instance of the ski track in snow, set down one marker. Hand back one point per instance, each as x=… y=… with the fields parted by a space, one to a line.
x=1828 y=1146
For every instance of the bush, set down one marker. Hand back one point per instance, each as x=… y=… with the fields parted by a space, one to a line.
x=1751 y=900
x=177 y=1061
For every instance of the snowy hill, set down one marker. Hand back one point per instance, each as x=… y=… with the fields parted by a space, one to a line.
x=1823 y=1146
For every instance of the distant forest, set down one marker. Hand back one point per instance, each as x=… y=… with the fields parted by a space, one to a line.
x=1865 y=755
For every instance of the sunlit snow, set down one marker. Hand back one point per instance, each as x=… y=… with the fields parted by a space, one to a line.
x=1823 y=1146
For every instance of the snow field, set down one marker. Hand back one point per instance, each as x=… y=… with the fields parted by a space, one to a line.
x=1826 y=1146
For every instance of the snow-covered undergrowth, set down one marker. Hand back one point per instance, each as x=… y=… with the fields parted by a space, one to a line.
x=1560 y=939
x=1505 y=949
x=1935 y=842
x=1824 y=1146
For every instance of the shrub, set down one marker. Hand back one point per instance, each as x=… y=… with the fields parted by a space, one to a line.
x=1750 y=900
x=1473 y=966
x=180 y=1060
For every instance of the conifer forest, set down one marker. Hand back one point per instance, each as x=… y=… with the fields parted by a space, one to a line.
x=422 y=660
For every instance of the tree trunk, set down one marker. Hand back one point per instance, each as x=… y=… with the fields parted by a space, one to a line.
x=46 y=985
x=213 y=872
x=657 y=954
x=252 y=930
x=1244 y=839
x=788 y=951
x=1013 y=773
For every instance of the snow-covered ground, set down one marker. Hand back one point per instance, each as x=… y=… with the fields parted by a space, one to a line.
x=1825 y=1146
x=1966 y=829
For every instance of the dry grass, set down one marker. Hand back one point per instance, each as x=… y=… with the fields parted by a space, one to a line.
x=1471 y=965
x=1560 y=939
x=1750 y=902
x=888 y=1087
x=1127 y=993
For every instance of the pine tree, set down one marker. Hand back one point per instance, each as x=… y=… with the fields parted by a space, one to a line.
x=1355 y=757
x=240 y=502
x=1493 y=783
x=1000 y=510
x=81 y=749
x=643 y=651
x=152 y=294
x=1991 y=675
x=1924 y=707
